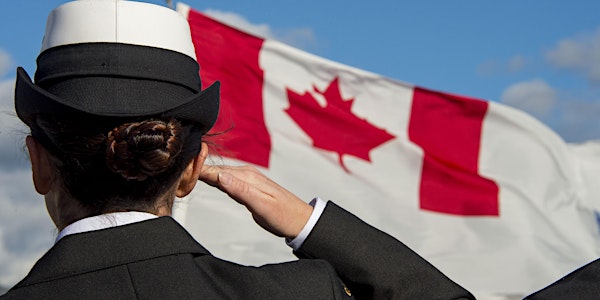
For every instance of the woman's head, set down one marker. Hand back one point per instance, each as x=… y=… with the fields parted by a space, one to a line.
x=111 y=164
x=120 y=110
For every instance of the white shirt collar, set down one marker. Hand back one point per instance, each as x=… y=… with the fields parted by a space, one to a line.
x=104 y=221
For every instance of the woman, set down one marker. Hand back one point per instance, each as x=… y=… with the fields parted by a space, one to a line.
x=117 y=116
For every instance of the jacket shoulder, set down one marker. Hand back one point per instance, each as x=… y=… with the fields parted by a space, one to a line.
x=301 y=279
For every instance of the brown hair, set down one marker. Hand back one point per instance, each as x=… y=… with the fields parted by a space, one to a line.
x=117 y=164
x=140 y=149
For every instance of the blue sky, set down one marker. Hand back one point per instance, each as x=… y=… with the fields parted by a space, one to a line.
x=542 y=56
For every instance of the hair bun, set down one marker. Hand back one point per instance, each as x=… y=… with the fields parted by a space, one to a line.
x=140 y=149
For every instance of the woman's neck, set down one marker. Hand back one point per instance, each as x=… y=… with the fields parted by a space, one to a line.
x=64 y=210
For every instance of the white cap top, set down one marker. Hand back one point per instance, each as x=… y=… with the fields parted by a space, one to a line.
x=118 y=21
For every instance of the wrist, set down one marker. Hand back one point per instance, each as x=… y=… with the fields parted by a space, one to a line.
x=317 y=207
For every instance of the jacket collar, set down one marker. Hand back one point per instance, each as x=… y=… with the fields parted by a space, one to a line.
x=94 y=250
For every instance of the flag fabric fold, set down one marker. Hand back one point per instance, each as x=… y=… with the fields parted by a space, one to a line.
x=489 y=195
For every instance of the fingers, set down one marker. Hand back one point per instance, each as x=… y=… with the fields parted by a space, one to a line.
x=243 y=184
x=248 y=174
x=210 y=174
x=238 y=189
x=273 y=207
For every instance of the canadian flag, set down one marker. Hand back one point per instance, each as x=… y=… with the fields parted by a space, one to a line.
x=487 y=194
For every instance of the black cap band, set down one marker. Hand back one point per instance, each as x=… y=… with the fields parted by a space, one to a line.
x=117 y=60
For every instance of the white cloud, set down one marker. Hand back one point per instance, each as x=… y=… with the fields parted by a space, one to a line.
x=5 y=62
x=12 y=130
x=534 y=96
x=487 y=68
x=574 y=116
x=303 y=38
x=238 y=21
x=580 y=54
x=26 y=231
x=495 y=67
x=299 y=37
x=578 y=120
x=516 y=63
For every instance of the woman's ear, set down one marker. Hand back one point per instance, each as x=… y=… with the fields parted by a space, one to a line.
x=190 y=175
x=40 y=165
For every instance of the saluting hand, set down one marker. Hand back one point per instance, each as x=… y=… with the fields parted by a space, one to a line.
x=273 y=207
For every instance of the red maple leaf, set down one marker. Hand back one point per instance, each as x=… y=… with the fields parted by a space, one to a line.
x=334 y=127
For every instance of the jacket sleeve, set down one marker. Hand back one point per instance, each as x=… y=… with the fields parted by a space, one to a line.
x=582 y=283
x=373 y=264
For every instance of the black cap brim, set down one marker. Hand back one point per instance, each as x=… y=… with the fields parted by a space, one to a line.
x=144 y=98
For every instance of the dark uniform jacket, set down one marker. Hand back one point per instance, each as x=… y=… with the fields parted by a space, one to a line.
x=583 y=283
x=158 y=259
